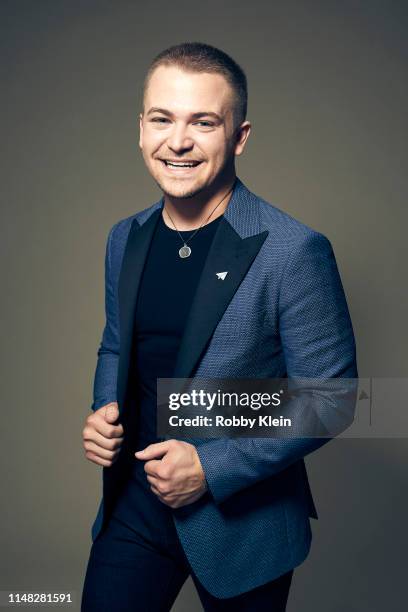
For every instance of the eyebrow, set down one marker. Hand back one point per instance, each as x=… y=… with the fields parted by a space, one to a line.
x=199 y=115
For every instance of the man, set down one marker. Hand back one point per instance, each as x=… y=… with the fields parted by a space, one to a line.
x=233 y=513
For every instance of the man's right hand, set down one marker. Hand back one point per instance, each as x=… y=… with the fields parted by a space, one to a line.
x=102 y=439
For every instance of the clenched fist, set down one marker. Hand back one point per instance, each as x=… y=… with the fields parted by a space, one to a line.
x=103 y=439
x=174 y=471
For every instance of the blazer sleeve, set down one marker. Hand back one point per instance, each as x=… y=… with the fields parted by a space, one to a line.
x=318 y=342
x=105 y=379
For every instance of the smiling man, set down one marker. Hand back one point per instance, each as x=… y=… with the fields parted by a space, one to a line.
x=214 y=282
x=190 y=140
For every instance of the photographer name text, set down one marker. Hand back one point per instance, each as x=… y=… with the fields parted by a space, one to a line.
x=234 y=421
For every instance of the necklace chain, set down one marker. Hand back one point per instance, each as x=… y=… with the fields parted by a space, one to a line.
x=185 y=249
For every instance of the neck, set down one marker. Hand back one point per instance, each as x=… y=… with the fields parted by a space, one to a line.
x=190 y=213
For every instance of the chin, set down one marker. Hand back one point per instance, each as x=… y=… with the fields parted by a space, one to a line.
x=179 y=189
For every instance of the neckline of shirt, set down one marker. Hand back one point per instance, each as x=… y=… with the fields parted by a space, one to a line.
x=211 y=224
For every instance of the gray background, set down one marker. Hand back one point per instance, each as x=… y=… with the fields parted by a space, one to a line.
x=328 y=100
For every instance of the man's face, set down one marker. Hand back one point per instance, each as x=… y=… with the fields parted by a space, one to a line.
x=188 y=118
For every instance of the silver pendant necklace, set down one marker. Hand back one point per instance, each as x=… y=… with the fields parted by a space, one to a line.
x=185 y=250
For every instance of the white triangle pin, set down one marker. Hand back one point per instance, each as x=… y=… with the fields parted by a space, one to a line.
x=221 y=275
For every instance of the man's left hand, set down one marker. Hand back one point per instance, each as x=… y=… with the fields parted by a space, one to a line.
x=174 y=471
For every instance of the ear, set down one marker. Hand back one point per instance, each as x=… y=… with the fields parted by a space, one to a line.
x=141 y=130
x=242 y=135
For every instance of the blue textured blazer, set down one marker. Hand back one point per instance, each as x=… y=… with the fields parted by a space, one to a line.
x=281 y=311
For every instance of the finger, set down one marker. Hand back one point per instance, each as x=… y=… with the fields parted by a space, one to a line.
x=107 y=429
x=158 y=494
x=99 y=460
x=151 y=467
x=155 y=490
x=152 y=480
x=111 y=412
x=158 y=449
x=100 y=452
x=93 y=436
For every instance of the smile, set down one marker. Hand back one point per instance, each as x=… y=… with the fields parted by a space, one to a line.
x=180 y=166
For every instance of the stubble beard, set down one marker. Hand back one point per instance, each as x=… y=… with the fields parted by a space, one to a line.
x=187 y=192
x=184 y=193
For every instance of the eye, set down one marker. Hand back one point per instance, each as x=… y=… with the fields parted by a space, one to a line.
x=205 y=123
x=159 y=119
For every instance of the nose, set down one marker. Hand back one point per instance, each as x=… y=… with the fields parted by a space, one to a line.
x=179 y=139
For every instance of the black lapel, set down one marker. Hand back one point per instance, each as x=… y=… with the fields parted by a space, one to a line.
x=134 y=257
x=228 y=253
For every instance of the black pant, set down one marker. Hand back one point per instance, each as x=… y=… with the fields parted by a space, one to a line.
x=127 y=573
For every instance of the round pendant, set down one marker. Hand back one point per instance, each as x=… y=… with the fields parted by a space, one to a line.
x=185 y=251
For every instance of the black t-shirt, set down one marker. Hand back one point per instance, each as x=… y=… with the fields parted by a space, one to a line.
x=165 y=296
x=164 y=299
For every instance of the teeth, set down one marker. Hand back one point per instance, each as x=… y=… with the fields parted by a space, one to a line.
x=180 y=165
